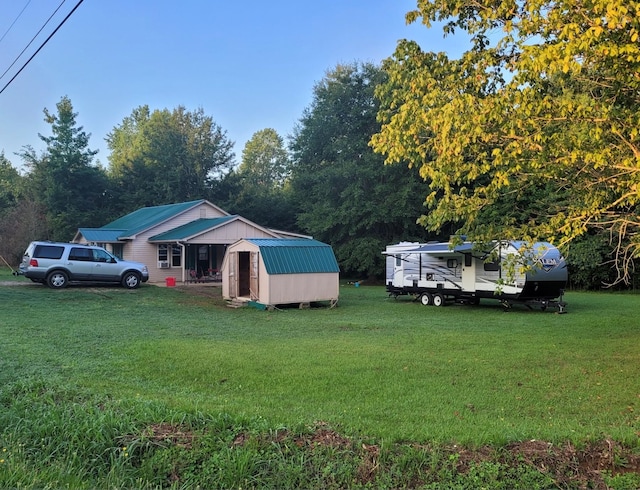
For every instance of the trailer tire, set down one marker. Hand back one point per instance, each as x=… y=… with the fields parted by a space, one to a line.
x=426 y=299
x=438 y=300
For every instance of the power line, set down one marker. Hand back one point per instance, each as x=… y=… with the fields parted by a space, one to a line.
x=15 y=20
x=32 y=39
x=42 y=46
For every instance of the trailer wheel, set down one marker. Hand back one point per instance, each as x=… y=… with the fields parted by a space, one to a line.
x=438 y=300
x=426 y=299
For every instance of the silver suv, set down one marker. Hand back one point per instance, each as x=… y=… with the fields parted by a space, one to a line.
x=57 y=264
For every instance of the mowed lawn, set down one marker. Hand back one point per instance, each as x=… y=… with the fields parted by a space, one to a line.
x=388 y=369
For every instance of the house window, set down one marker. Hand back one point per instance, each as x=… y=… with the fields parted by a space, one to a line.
x=117 y=249
x=176 y=255
x=163 y=252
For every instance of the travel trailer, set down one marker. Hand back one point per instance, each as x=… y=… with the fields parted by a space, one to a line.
x=437 y=273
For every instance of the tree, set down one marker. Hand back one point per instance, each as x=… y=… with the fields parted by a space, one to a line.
x=10 y=185
x=265 y=162
x=346 y=195
x=531 y=135
x=62 y=179
x=259 y=189
x=167 y=156
x=20 y=217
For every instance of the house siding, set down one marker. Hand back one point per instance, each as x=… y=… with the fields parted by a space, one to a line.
x=141 y=250
x=228 y=234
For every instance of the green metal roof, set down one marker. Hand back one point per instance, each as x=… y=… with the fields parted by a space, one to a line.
x=295 y=256
x=145 y=218
x=190 y=229
x=99 y=235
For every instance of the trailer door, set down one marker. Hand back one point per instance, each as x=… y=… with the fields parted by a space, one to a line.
x=469 y=273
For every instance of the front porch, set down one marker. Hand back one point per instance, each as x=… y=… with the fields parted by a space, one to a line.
x=202 y=263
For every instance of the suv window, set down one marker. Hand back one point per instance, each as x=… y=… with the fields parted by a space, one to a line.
x=81 y=254
x=48 y=252
x=101 y=256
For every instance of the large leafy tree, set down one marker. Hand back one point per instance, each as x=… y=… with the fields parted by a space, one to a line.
x=166 y=156
x=265 y=161
x=259 y=189
x=62 y=179
x=346 y=195
x=533 y=132
x=20 y=217
x=10 y=185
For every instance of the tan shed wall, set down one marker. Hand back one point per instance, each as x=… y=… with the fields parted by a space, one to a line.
x=299 y=288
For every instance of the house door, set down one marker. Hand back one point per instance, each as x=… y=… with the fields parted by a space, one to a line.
x=203 y=260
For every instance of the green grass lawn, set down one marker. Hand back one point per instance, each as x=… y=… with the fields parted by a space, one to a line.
x=386 y=368
x=390 y=370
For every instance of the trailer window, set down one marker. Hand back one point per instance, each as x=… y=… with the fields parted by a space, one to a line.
x=398 y=260
x=452 y=263
x=492 y=266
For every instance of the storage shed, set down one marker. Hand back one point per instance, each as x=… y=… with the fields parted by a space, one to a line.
x=278 y=271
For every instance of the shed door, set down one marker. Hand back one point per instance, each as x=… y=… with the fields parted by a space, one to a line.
x=233 y=278
x=253 y=278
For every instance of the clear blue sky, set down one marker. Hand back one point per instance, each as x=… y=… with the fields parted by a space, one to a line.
x=248 y=64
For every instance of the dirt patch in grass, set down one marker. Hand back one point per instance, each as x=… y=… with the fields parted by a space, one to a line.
x=201 y=295
x=567 y=465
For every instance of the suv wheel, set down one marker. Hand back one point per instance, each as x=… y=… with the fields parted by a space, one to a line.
x=131 y=280
x=57 y=280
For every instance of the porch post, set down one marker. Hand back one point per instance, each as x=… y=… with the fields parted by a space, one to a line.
x=183 y=261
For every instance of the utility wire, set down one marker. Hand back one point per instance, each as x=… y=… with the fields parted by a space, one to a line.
x=32 y=39
x=16 y=20
x=42 y=46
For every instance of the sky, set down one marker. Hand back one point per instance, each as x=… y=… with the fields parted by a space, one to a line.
x=249 y=65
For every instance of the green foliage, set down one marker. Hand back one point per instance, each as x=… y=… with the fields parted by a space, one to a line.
x=20 y=217
x=166 y=156
x=10 y=185
x=590 y=266
x=544 y=113
x=265 y=162
x=259 y=190
x=343 y=190
x=62 y=179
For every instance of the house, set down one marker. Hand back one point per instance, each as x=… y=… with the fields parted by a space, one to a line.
x=278 y=271
x=184 y=241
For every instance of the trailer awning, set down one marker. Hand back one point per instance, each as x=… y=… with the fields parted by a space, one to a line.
x=442 y=249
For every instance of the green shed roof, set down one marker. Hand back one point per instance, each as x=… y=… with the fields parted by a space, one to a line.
x=190 y=229
x=296 y=255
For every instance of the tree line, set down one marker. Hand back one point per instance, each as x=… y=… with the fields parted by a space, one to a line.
x=325 y=181
x=531 y=134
